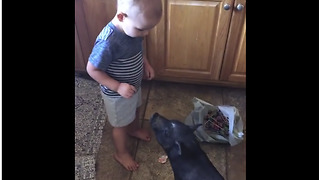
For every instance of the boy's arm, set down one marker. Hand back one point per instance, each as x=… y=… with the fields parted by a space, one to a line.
x=102 y=77
x=124 y=89
x=149 y=72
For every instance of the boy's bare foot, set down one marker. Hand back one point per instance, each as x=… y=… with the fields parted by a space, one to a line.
x=142 y=134
x=126 y=161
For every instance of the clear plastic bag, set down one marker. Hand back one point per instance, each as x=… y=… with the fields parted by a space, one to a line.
x=220 y=124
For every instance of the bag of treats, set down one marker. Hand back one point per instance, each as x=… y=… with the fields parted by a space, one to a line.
x=220 y=124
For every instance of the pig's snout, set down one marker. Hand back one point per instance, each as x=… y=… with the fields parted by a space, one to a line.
x=156 y=121
x=155 y=115
x=153 y=118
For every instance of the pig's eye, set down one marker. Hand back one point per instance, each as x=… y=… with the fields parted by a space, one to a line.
x=166 y=132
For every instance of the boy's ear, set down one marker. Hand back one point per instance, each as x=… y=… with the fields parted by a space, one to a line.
x=121 y=15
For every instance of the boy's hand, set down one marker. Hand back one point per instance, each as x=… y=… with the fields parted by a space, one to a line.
x=149 y=72
x=126 y=90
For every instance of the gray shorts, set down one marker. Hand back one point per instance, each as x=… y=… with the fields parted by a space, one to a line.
x=122 y=111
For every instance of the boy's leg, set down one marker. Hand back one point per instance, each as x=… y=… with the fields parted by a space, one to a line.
x=135 y=130
x=122 y=154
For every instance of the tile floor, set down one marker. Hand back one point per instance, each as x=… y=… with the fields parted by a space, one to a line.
x=94 y=149
x=173 y=100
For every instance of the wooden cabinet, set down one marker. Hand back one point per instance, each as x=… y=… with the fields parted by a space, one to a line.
x=80 y=63
x=196 y=41
x=90 y=17
x=192 y=41
x=234 y=63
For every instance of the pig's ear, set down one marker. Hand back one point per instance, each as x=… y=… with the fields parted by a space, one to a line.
x=194 y=127
x=179 y=148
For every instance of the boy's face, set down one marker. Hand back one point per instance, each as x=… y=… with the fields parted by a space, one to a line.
x=139 y=26
x=138 y=20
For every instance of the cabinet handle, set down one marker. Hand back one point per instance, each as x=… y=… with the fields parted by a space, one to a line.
x=240 y=7
x=226 y=7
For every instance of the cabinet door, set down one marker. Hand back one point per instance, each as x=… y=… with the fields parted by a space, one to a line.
x=234 y=63
x=98 y=13
x=190 y=39
x=90 y=17
x=80 y=63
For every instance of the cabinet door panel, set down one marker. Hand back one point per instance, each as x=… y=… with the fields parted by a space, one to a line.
x=234 y=66
x=98 y=13
x=82 y=39
x=187 y=37
x=90 y=17
x=80 y=64
x=190 y=39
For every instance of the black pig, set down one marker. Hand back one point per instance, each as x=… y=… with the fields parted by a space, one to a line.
x=187 y=159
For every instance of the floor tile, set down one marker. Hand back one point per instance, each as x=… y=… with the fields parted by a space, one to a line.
x=174 y=100
x=236 y=155
x=217 y=155
x=236 y=97
x=147 y=157
x=107 y=166
x=236 y=160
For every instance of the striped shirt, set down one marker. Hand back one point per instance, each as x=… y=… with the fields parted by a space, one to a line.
x=120 y=56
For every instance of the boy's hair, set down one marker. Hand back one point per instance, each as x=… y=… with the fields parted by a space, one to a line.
x=125 y=5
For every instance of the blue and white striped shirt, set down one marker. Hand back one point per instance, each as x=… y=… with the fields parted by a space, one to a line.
x=120 y=56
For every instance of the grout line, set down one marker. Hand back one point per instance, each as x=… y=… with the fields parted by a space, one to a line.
x=143 y=119
x=225 y=149
x=227 y=164
x=222 y=95
x=148 y=93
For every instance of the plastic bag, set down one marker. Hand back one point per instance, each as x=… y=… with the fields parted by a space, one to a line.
x=220 y=124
